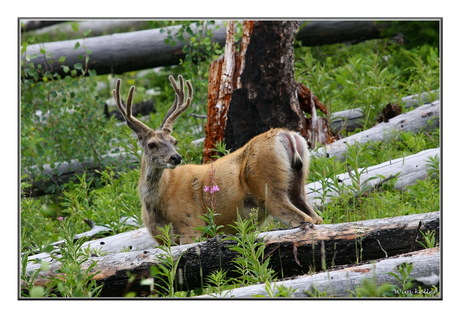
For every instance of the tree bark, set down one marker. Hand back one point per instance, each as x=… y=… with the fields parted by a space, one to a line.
x=132 y=51
x=292 y=252
x=267 y=97
x=343 y=282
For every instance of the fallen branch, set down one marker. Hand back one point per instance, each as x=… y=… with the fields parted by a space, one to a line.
x=293 y=252
x=41 y=178
x=343 y=282
x=351 y=119
x=406 y=170
x=423 y=118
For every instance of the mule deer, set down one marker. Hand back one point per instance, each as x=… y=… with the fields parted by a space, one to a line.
x=268 y=172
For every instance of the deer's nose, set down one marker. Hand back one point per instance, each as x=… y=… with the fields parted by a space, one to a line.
x=176 y=159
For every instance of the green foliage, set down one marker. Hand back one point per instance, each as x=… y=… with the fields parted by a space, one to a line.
x=72 y=279
x=416 y=33
x=251 y=265
x=345 y=77
x=429 y=239
x=210 y=229
x=370 y=288
x=164 y=274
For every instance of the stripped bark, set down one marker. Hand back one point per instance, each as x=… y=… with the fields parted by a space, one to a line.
x=344 y=282
x=317 y=131
x=293 y=252
x=224 y=78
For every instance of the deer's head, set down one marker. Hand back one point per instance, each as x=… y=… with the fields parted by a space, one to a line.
x=159 y=145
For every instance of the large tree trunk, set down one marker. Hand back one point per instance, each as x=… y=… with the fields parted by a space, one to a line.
x=267 y=97
x=344 y=282
x=293 y=252
x=122 y=52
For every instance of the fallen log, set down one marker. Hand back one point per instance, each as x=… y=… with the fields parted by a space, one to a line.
x=351 y=119
x=423 y=118
x=97 y=27
x=315 y=33
x=29 y=25
x=132 y=51
x=293 y=252
x=134 y=240
x=344 y=282
x=41 y=178
x=406 y=170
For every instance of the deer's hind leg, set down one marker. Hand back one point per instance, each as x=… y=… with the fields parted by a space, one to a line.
x=298 y=197
x=270 y=191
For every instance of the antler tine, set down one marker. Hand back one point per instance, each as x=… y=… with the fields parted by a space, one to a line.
x=178 y=106
x=116 y=96
x=135 y=124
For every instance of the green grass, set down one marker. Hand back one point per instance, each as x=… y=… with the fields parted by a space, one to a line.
x=368 y=75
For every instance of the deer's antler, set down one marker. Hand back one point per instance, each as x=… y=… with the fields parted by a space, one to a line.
x=178 y=106
x=136 y=125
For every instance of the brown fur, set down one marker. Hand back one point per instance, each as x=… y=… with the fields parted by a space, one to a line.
x=268 y=172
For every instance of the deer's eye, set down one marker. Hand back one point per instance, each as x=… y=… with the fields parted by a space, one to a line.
x=151 y=145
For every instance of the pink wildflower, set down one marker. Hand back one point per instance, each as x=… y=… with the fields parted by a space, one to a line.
x=60 y=219
x=211 y=189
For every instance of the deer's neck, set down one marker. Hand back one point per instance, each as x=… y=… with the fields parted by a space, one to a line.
x=150 y=182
